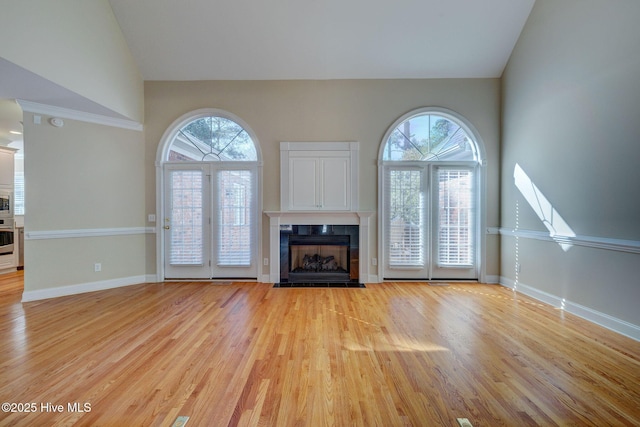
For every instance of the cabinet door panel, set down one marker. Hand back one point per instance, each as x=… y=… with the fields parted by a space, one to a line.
x=6 y=168
x=303 y=184
x=336 y=186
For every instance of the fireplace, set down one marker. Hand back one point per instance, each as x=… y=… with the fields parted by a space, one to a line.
x=318 y=258
x=319 y=254
x=357 y=225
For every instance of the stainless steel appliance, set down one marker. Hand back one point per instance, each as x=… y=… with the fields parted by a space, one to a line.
x=6 y=203
x=7 y=236
x=20 y=248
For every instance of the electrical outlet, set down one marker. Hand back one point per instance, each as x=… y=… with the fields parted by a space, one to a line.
x=265 y=261
x=151 y=217
x=97 y=267
x=374 y=261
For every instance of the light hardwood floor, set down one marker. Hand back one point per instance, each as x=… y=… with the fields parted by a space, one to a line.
x=393 y=354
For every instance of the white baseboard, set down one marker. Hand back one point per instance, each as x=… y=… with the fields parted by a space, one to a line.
x=61 y=291
x=617 y=325
x=491 y=279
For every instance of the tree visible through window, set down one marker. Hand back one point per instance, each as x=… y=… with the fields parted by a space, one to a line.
x=429 y=137
x=212 y=138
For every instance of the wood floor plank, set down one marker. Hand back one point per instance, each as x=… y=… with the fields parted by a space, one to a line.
x=246 y=354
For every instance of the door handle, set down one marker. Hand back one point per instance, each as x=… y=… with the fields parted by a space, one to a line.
x=167 y=227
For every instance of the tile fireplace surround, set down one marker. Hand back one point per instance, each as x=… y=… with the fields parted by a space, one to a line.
x=278 y=218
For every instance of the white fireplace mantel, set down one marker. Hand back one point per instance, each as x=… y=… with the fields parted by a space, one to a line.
x=278 y=218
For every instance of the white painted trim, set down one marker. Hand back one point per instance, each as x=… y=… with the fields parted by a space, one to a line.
x=66 y=113
x=80 y=288
x=617 y=325
x=89 y=232
x=632 y=246
x=319 y=146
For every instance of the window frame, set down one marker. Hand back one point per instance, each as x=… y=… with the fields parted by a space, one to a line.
x=430 y=166
x=162 y=156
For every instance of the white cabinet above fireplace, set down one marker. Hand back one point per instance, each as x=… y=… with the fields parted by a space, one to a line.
x=320 y=183
x=319 y=176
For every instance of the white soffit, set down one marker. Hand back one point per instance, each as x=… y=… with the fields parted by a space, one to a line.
x=313 y=39
x=17 y=82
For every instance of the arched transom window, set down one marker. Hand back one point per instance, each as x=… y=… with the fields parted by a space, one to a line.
x=212 y=138
x=429 y=137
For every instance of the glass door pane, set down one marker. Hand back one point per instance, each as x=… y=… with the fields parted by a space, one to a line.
x=236 y=223
x=185 y=223
x=455 y=223
x=405 y=223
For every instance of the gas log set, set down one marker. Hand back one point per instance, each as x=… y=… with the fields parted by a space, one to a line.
x=318 y=263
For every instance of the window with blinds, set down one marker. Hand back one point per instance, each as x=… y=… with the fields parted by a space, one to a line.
x=455 y=216
x=235 y=204
x=18 y=193
x=405 y=217
x=429 y=170
x=187 y=227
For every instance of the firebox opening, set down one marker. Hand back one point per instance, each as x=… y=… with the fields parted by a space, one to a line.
x=319 y=258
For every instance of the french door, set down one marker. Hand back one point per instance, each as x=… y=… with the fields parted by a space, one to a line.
x=429 y=221
x=210 y=221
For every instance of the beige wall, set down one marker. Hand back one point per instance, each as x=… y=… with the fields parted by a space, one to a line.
x=571 y=102
x=77 y=45
x=334 y=110
x=82 y=176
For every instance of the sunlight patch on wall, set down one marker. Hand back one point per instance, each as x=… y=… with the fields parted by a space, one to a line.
x=558 y=228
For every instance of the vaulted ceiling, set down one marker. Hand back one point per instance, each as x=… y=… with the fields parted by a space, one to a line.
x=320 y=39
x=298 y=39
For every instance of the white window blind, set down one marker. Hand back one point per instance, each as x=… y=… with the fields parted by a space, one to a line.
x=405 y=210
x=187 y=232
x=455 y=216
x=235 y=204
x=18 y=193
